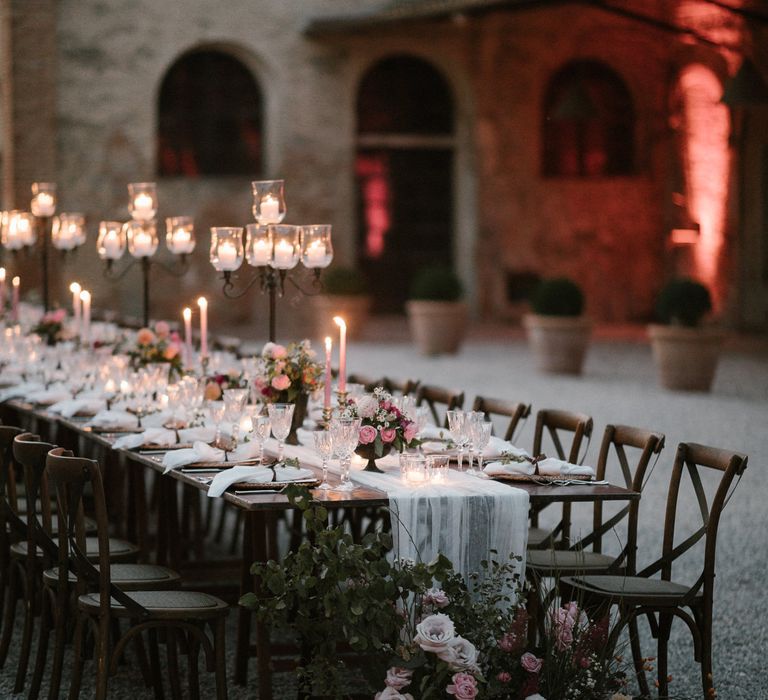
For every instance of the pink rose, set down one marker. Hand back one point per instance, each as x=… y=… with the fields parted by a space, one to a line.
x=436 y=597
x=145 y=337
x=398 y=678
x=531 y=663
x=175 y=338
x=464 y=686
x=563 y=637
x=410 y=432
x=58 y=315
x=392 y=694
x=507 y=643
x=367 y=435
x=278 y=352
x=434 y=633
x=170 y=352
x=162 y=329
x=504 y=677
x=388 y=434
x=281 y=382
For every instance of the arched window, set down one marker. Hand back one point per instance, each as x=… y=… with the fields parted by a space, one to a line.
x=404 y=174
x=589 y=123
x=209 y=118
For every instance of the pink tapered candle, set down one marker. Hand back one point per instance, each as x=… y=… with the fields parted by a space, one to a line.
x=328 y=378
x=15 y=282
x=2 y=289
x=202 y=302
x=85 y=328
x=187 y=314
x=339 y=321
x=75 y=288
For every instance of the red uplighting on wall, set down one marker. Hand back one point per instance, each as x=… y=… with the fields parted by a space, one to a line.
x=373 y=175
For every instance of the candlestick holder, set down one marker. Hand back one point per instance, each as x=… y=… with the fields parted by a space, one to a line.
x=341 y=397
x=327 y=416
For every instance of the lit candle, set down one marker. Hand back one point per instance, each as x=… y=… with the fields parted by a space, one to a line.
x=110 y=387
x=283 y=257
x=270 y=210
x=143 y=207
x=202 y=302
x=15 y=282
x=43 y=204
x=24 y=230
x=315 y=254
x=85 y=329
x=2 y=290
x=182 y=241
x=75 y=288
x=125 y=387
x=111 y=243
x=142 y=244
x=246 y=424
x=261 y=252
x=187 y=314
x=227 y=255
x=328 y=350
x=339 y=321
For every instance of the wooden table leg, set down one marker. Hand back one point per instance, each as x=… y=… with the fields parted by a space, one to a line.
x=243 y=643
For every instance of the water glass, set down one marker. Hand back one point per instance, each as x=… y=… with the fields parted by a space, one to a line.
x=345 y=434
x=324 y=447
x=481 y=436
x=261 y=429
x=280 y=418
x=437 y=466
x=458 y=425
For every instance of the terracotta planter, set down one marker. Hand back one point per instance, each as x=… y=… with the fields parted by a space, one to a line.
x=559 y=343
x=437 y=327
x=355 y=310
x=686 y=358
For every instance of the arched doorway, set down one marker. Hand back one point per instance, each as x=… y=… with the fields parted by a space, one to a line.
x=209 y=118
x=404 y=175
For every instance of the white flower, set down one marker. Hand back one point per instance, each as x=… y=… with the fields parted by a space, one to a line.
x=367 y=405
x=434 y=633
x=398 y=678
x=460 y=655
x=436 y=597
x=267 y=350
x=536 y=697
x=392 y=694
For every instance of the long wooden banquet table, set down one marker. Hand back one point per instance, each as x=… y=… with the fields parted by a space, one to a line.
x=125 y=484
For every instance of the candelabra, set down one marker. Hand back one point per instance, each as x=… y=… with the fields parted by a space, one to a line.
x=139 y=237
x=272 y=248
x=21 y=230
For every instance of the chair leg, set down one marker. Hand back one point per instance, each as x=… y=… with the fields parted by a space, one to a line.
x=221 y=662
x=637 y=658
x=662 y=664
x=77 y=670
x=59 y=644
x=154 y=663
x=141 y=654
x=193 y=652
x=26 y=635
x=102 y=654
x=42 y=645
x=173 y=663
x=707 y=681
x=10 y=612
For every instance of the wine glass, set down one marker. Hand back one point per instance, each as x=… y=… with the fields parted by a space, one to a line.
x=472 y=417
x=217 y=410
x=481 y=434
x=324 y=447
x=345 y=433
x=459 y=429
x=261 y=429
x=280 y=418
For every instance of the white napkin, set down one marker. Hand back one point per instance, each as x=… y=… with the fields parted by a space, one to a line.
x=116 y=420
x=20 y=390
x=255 y=475
x=164 y=437
x=200 y=452
x=547 y=467
x=71 y=407
x=434 y=432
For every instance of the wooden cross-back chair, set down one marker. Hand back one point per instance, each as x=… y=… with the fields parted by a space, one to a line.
x=552 y=427
x=660 y=598
x=436 y=397
x=516 y=411
x=183 y=616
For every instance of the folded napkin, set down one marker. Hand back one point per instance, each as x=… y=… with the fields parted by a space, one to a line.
x=256 y=475
x=434 y=432
x=200 y=452
x=164 y=437
x=20 y=391
x=547 y=467
x=115 y=420
x=83 y=406
x=48 y=397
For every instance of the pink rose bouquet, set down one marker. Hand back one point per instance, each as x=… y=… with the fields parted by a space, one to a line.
x=156 y=346
x=51 y=327
x=284 y=373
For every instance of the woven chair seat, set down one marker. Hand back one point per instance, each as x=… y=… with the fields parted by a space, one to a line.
x=127 y=576
x=549 y=560
x=636 y=590
x=162 y=604
x=537 y=536
x=90 y=525
x=118 y=549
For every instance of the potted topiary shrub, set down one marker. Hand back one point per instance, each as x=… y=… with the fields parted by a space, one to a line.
x=685 y=351
x=437 y=316
x=345 y=294
x=557 y=330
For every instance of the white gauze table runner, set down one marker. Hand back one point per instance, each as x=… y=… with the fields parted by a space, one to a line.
x=464 y=518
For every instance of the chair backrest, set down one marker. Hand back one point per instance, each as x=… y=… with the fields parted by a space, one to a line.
x=516 y=411
x=692 y=459
x=70 y=476
x=435 y=396
x=554 y=425
x=400 y=386
x=364 y=380
x=31 y=453
x=618 y=440
x=10 y=522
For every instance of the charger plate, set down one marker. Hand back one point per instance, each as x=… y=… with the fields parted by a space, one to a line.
x=272 y=485
x=540 y=478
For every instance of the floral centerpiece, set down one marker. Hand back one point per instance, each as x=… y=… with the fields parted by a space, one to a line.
x=383 y=426
x=217 y=384
x=288 y=374
x=157 y=346
x=51 y=327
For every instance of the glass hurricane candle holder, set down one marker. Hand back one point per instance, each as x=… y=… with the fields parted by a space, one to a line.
x=268 y=201
x=43 y=198
x=227 y=253
x=286 y=249
x=258 y=245
x=68 y=231
x=316 y=248
x=180 y=234
x=18 y=230
x=142 y=201
x=141 y=237
x=111 y=241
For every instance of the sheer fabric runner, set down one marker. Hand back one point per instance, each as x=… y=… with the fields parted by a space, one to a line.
x=464 y=518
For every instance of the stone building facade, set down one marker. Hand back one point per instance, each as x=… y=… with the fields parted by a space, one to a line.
x=81 y=83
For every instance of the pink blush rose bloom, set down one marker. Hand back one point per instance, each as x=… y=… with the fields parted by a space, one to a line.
x=367 y=435
x=434 y=633
x=398 y=678
x=162 y=329
x=464 y=687
x=390 y=693
x=281 y=382
x=531 y=663
x=388 y=435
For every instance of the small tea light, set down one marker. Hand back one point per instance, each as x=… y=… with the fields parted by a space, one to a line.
x=43 y=198
x=413 y=468
x=142 y=200
x=437 y=466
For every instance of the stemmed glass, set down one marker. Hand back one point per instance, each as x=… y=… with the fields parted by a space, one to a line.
x=261 y=428
x=324 y=447
x=459 y=429
x=481 y=434
x=345 y=433
x=280 y=418
x=472 y=417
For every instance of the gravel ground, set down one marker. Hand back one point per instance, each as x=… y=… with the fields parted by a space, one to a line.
x=619 y=386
